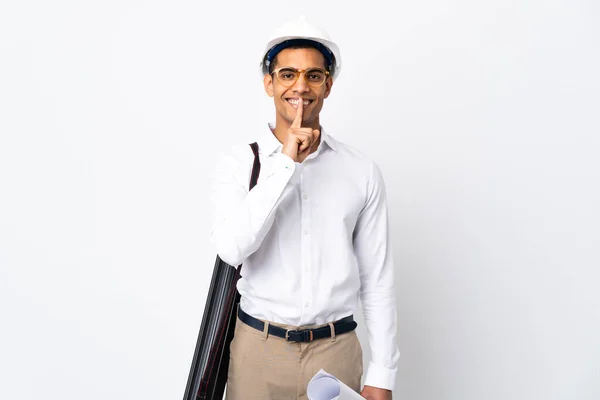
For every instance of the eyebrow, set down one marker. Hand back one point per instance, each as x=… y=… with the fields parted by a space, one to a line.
x=301 y=69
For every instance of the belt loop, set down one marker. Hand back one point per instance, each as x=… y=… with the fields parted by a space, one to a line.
x=332 y=331
x=266 y=331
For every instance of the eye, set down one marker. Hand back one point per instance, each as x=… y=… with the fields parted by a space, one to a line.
x=287 y=74
x=315 y=76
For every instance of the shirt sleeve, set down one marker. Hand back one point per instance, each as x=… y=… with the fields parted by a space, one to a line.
x=241 y=218
x=375 y=260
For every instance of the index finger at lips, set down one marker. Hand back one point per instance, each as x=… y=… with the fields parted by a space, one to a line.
x=298 y=120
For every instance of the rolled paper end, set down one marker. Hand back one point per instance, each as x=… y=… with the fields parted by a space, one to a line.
x=324 y=386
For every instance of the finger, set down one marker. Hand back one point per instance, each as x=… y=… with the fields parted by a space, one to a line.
x=303 y=139
x=300 y=139
x=297 y=123
x=312 y=138
x=305 y=145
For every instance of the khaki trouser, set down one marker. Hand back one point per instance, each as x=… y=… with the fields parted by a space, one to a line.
x=265 y=367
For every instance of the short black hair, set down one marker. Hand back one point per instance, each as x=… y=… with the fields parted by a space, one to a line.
x=304 y=46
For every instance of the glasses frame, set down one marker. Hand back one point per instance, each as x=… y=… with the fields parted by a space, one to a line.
x=303 y=72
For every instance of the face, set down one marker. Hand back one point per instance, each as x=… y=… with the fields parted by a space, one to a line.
x=282 y=95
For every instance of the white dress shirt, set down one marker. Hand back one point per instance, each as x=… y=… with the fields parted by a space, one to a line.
x=312 y=237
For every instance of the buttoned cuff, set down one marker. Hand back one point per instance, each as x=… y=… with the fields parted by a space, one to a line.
x=380 y=377
x=284 y=160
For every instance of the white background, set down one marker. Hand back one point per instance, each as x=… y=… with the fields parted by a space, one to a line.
x=483 y=116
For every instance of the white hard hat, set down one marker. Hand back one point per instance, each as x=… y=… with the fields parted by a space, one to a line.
x=301 y=29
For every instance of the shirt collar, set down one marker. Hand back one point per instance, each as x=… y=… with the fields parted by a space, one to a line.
x=269 y=144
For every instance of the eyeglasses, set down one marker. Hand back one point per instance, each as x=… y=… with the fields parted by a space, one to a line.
x=288 y=76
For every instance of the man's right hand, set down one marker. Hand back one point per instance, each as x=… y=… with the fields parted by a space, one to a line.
x=299 y=141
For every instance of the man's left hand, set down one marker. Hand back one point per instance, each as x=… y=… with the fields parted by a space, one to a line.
x=373 y=393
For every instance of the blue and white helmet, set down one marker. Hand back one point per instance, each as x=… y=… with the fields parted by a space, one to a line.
x=301 y=29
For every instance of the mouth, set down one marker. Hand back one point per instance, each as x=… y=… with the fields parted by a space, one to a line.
x=294 y=102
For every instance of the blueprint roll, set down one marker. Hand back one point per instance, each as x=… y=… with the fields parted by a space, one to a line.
x=324 y=386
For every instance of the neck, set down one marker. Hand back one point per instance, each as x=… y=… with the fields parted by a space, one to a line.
x=282 y=126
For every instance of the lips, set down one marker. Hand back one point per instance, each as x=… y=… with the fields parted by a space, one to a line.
x=294 y=102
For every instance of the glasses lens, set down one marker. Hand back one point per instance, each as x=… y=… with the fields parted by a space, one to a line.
x=315 y=76
x=287 y=76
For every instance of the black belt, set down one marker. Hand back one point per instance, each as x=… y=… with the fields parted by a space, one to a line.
x=344 y=325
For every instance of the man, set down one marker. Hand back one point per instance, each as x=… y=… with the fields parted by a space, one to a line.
x=312 y=236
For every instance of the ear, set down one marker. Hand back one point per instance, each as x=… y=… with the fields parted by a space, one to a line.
x=268 y=83
x=328 y=85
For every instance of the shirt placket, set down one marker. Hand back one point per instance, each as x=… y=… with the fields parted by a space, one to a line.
x=306 y=243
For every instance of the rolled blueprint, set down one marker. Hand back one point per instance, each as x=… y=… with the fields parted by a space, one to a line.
x=324 y=386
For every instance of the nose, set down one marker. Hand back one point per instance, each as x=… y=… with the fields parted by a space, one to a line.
x=300 y=86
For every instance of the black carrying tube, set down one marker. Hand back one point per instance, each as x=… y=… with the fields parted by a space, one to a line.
x=208 y=373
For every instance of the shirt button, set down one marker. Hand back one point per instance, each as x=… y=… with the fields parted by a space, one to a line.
x=305 y=196
x=306 y=232
x=307 y=305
